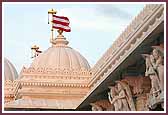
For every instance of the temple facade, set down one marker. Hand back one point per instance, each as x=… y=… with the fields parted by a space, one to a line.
x=128 y=77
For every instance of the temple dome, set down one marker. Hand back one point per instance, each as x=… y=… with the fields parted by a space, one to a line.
x=60 y=56
x=10 y=72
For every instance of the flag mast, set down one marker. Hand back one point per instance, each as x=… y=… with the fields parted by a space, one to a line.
x=52 y=12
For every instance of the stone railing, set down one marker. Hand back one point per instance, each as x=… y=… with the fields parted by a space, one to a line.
x=100 y=67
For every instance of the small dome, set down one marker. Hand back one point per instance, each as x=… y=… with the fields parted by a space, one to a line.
x=60 y=56
x=10 y=72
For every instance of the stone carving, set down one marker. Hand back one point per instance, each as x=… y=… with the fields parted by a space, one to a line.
x=155 y=70
x=123 y=100
x=160 y=48
x=102 y=105
x=150 y=71
x=96 y=107
x=158 y=66
x=111 y=96
x=139 y=86
x=135 y=83
x=56 y=71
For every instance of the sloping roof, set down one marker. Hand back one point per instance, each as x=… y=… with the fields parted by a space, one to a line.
x=142 y=26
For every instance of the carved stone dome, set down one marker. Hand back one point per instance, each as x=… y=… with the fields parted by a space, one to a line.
x=10 y=72
x=60 y=56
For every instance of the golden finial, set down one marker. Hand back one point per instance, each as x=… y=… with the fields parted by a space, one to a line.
x=35 y=47
x=60 y=32
x=51 y=11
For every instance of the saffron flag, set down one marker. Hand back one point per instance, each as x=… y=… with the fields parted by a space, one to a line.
x=61 y=22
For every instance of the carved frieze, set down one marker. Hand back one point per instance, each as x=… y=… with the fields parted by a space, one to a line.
x=56 y=71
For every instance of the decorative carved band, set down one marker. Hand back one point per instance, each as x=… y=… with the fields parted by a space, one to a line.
x=56 y=71
x=52 y=84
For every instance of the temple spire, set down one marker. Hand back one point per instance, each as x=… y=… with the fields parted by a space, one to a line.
x=62 y=24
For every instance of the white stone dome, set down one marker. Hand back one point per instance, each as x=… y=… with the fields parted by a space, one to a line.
x=60 y=56
x=10 y=72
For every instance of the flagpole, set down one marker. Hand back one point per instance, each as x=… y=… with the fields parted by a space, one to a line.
x=52 y=11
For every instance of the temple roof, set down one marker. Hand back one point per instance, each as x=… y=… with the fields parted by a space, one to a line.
x=10 y=72
x=60 y=56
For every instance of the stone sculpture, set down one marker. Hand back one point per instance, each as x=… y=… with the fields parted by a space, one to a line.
x=111 y=96
x=102 y=105
x=150 y=71
x=123 y=100
x=158 y=65
x=155 y=70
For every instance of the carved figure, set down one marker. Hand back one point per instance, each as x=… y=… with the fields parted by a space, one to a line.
x=111 y=95
x=124 y=97
x=155 y=70
x=159 y=67
x=150 y=71
x=160 y=49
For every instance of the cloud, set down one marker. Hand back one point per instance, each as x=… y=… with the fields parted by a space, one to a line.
x=93 y=19
x=112 y=11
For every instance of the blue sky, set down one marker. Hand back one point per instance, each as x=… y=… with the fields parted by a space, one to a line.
x=94 y=27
